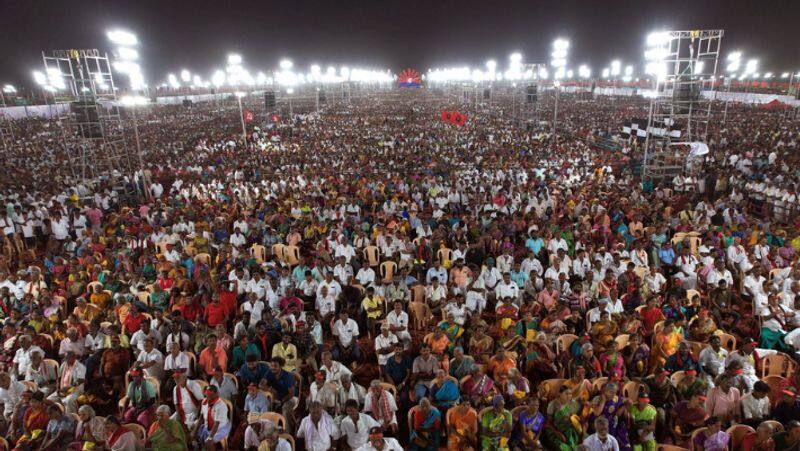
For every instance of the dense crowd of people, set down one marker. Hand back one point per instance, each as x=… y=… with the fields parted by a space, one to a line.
x=373 y=278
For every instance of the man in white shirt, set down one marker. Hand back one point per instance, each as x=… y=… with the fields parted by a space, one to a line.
x=22 y=358
x=318 y=429
x=334 y=287
x=187 y=395
x=258 y=286
x=398 y=321
x=712 y=359
x=255 y=307
x=213 y=426
x=10 y=393
x=601 y=440
x=718 y=273
x=346 y=331
x=507 y=288
x=151 y=360
x=333 y=370
x=365 y=276
x=377 y=442
x=755 y=405
x=325 y=303
x=138 y=338
x=355 y=426
x=71 y=378
x=384 y=345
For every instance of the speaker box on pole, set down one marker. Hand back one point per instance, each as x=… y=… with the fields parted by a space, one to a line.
x=86 y=119
x=532 y=93
x=269 y=100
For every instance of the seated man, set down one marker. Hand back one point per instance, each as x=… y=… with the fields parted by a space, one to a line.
x=71 y=378
x=345 y=330
x=187 y=396
x=380 y=403
x=213 y=426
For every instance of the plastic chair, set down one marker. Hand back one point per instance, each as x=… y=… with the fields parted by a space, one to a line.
x=738 y=432
x=778 y=364
x=372 y=255
x=276 y=418
x=563 y=342
x=387 y=270
x=138 y=430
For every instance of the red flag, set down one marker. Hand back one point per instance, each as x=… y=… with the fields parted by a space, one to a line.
x=459 y=119
x=447 y=116
x=248 y=116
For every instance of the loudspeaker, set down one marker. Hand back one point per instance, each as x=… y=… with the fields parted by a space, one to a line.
x=322 y=97
x=86 y=119
x=532 y=94
x=594 y=86
x=187 y=103
x=269 y=100
x=487 y=93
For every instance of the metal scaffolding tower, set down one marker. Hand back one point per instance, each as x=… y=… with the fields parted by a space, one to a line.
x=6 y=128
x=689 y=68
x=92 y=130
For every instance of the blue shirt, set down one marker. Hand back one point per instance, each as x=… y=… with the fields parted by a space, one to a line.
x=256 y=404
x=519 y=278
x=255 y=375
x=440 y=274
x=534 y=245
x=282 y=383
x=667 y=256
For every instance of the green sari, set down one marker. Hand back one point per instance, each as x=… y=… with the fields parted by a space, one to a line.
x=495 y=423
x=562 y=421
x=158 y=436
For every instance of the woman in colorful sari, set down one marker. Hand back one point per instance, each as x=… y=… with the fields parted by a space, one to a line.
x=603 y=332
x=612 y=361
x=461 y=365
x=34 y=423
x=636 y=355
x=166 y=434
x=480 y=345
x=478 y=387
x=452 y=330
x=563 y=430
x=462 y=433
x=703 y=327
x=665 y=343
x=496 y=426
x=712 y=438
x=90 y=429
x=530 y=423
x=610 y=405
x=540 y=360
x=686 y=417
x=119 y=437
x=444 y=390
x=425 y=427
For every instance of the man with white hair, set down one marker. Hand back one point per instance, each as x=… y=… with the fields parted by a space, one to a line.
x=22 y=358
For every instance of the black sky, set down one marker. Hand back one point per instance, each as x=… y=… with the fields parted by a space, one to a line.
x=392 y=34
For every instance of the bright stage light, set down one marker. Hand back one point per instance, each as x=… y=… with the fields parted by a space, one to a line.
x=286 y=64
x=218 y=79
x=768 y=75
x=173 y=81
x=240 y=94
x=345 y=73
x=234 y=59
x=658 y=39
x=751 y=66
x=186 y=76
x=491 y=65
x=515 y=57
x=128 y=53
x=615 y=67
x=699 y=66
x=584 y=71
x=9 y=89
x=55 y=78
x=605 y=73
x=289 y=91
x=122 y=37
x=261 y=78
x=133 y=100
x=39 y=78
x=785 y=75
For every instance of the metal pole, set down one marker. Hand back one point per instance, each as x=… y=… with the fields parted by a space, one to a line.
x=647 y=130
x=244 y=128
x=317 y=101
x=139 y=152
x=555 y=115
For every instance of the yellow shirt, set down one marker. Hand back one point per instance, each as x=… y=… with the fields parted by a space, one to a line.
x=278 y=350
x=373 y=303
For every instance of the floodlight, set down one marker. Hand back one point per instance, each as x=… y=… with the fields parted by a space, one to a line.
x=768 y=75
x=261 y=78
x=122 y=37
x=133 y=100
x=628 y=70
x=286 y=64
x=785 y=75
x=173 y=81
x=658 y=39
x=186 y=76
x=9 y=89
x=515 y=57
x=234 y=59
x=218 y=79
x=128 y=53
x=751 y=66
x=615 y=67
x=605 y=72
x=290 y=91
x=40 y=78
x=491 y=65
x=584 y=71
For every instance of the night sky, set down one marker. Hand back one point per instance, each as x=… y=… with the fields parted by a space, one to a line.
x=384 y=34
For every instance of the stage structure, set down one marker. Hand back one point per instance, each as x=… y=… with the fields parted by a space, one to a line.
x=683 y=64
x=529 y=91
x=6 y=128
x=92 y=129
